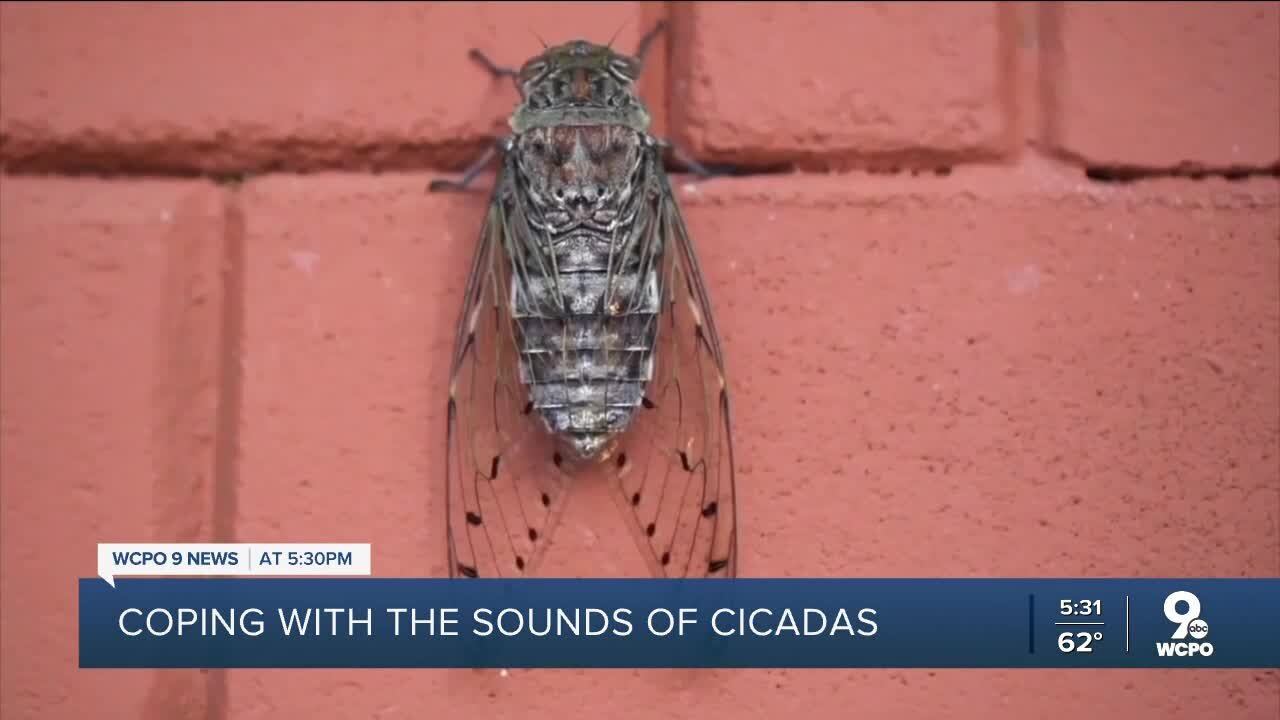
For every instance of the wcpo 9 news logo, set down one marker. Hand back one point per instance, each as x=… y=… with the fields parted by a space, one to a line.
x=1182 y=608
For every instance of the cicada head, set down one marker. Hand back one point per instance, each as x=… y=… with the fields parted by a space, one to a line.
x=579 y=83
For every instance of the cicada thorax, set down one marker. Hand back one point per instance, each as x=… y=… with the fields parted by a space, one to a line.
x=585 y=292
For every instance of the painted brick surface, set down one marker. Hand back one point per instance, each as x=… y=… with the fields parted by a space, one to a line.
x=1162 y=84
x=225 y=88
x=354 y=282
x=987 y=374
x=825 y=84
x=105 y=418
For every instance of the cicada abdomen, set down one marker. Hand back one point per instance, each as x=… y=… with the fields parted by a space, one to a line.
x=586 y=336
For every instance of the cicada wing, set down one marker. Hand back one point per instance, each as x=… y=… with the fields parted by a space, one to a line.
x=674 y=478
x=504 y=492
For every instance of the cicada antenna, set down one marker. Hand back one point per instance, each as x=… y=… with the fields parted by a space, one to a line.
x=615 y=34
x=647 y=41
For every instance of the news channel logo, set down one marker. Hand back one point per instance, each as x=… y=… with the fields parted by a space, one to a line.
x=1182 y=608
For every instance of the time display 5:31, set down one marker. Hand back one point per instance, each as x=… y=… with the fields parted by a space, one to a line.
x=1080 y=607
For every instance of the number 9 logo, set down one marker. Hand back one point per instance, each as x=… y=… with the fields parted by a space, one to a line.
x=1182 y=620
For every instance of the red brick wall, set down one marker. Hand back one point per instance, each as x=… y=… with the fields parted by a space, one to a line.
x=1017 y=367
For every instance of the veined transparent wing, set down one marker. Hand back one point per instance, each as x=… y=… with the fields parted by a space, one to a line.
x=504 y=491
x=674 y=473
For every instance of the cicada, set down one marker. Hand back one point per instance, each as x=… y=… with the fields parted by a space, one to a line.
x=586 y=343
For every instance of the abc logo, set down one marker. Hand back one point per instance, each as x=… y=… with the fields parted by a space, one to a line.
x=1182 y=608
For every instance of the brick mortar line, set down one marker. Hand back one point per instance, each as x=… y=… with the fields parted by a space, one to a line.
x=1125 y=172
x=227 y=414
x=920 y=160
x=230 y=378
x=75 y=158
x=196 y=421
x=1065 y=165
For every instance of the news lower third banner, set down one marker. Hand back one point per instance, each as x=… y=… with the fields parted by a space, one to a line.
x=366 y=622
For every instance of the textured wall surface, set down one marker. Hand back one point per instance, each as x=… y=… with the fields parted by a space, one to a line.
x=1002 y=298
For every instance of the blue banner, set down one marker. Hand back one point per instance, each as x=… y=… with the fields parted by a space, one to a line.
x=744 y=623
